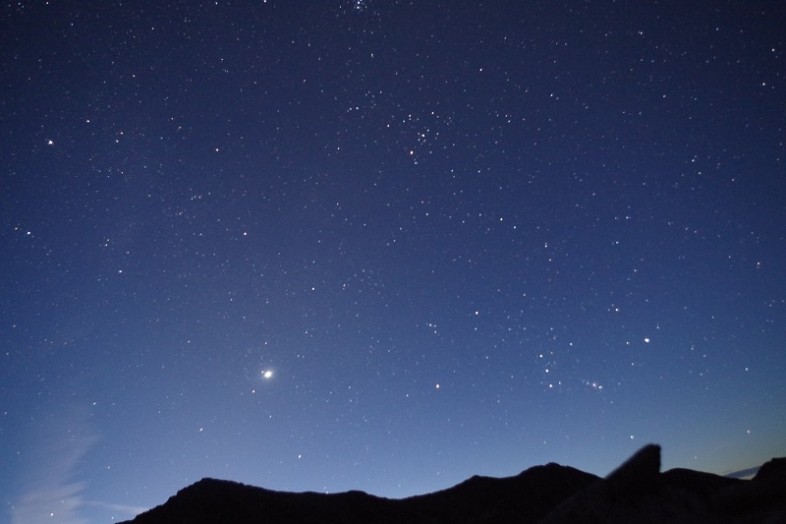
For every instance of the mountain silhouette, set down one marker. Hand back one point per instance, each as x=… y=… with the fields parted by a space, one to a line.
x=552 y=494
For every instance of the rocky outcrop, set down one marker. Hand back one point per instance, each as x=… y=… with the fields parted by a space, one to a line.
x=638 y=492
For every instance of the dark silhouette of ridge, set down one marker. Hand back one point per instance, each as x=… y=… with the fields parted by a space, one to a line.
x=552 y=494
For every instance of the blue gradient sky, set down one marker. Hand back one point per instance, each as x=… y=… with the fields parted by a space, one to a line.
x=463 y=238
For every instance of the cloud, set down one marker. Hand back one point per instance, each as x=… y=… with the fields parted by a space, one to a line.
x=51 y=491
x=130 y=511
x=50 y=504
x=744 y=473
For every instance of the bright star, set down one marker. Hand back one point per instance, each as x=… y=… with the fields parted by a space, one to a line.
x=267 y=374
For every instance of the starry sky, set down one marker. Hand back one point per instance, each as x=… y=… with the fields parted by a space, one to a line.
x=384 y=245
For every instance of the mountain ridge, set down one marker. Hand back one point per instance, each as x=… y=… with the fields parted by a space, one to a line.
x=549 y=494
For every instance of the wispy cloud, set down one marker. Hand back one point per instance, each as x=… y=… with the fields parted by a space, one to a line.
x=744 y=473
x=50 y=504
x=51 y=491
x=124 y=509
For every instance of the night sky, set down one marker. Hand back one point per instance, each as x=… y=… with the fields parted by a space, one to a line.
x=384 y=245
